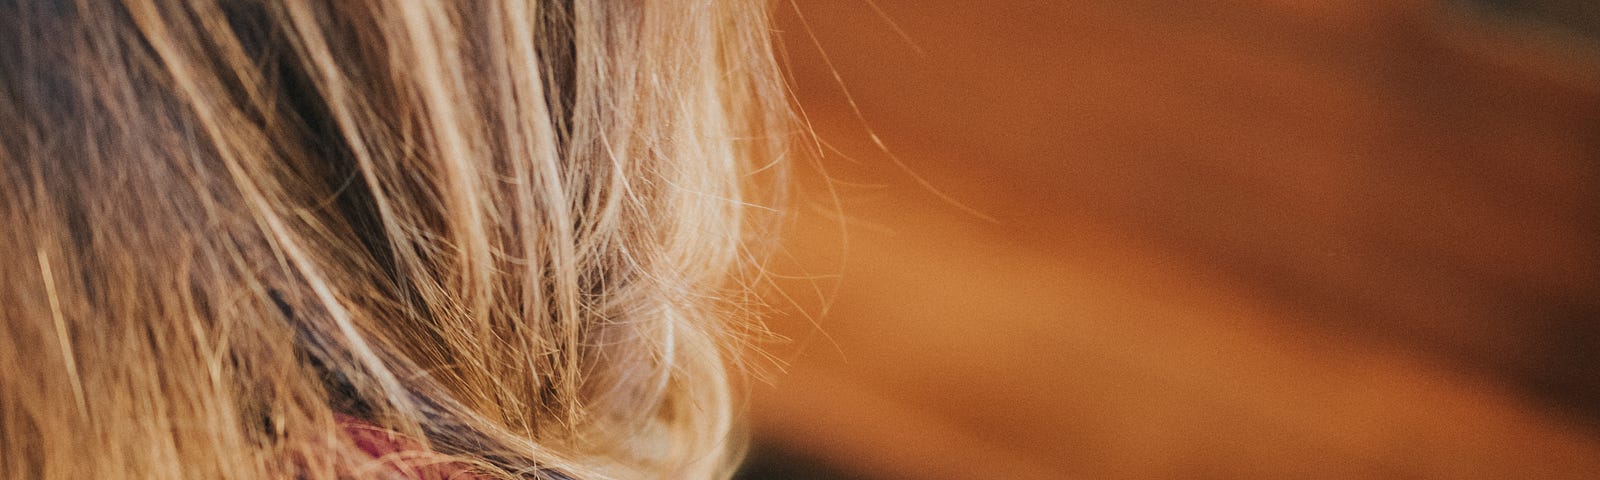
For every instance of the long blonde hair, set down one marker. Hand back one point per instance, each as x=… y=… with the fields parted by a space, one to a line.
x=504 y=228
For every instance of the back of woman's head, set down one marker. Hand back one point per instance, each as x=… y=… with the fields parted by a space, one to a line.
x=504 y=229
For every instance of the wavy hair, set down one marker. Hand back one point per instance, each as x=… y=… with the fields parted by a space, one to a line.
x=512 y=230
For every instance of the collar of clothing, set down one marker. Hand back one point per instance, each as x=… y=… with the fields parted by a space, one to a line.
x=403 y=456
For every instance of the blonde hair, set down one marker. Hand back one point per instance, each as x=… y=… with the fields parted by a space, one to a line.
x=504 y=228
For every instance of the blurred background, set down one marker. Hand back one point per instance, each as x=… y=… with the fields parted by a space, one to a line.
x=1137 y=239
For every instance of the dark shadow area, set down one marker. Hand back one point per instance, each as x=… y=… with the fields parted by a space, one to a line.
x=769 y=461
x=1581 y=17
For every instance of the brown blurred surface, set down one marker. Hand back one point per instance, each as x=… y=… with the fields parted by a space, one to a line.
x=1231 y=239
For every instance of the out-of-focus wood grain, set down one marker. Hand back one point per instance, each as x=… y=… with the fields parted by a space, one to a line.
x=1233 y=239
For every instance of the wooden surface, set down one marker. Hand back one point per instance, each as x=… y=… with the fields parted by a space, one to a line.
x=1229 y=239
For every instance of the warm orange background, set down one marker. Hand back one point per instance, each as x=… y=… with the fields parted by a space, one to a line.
x=1230 y=239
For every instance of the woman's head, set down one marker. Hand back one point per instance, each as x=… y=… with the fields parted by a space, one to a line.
x=504 y=227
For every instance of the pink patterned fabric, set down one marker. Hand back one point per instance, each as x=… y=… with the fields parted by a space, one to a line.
x=403 y=455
